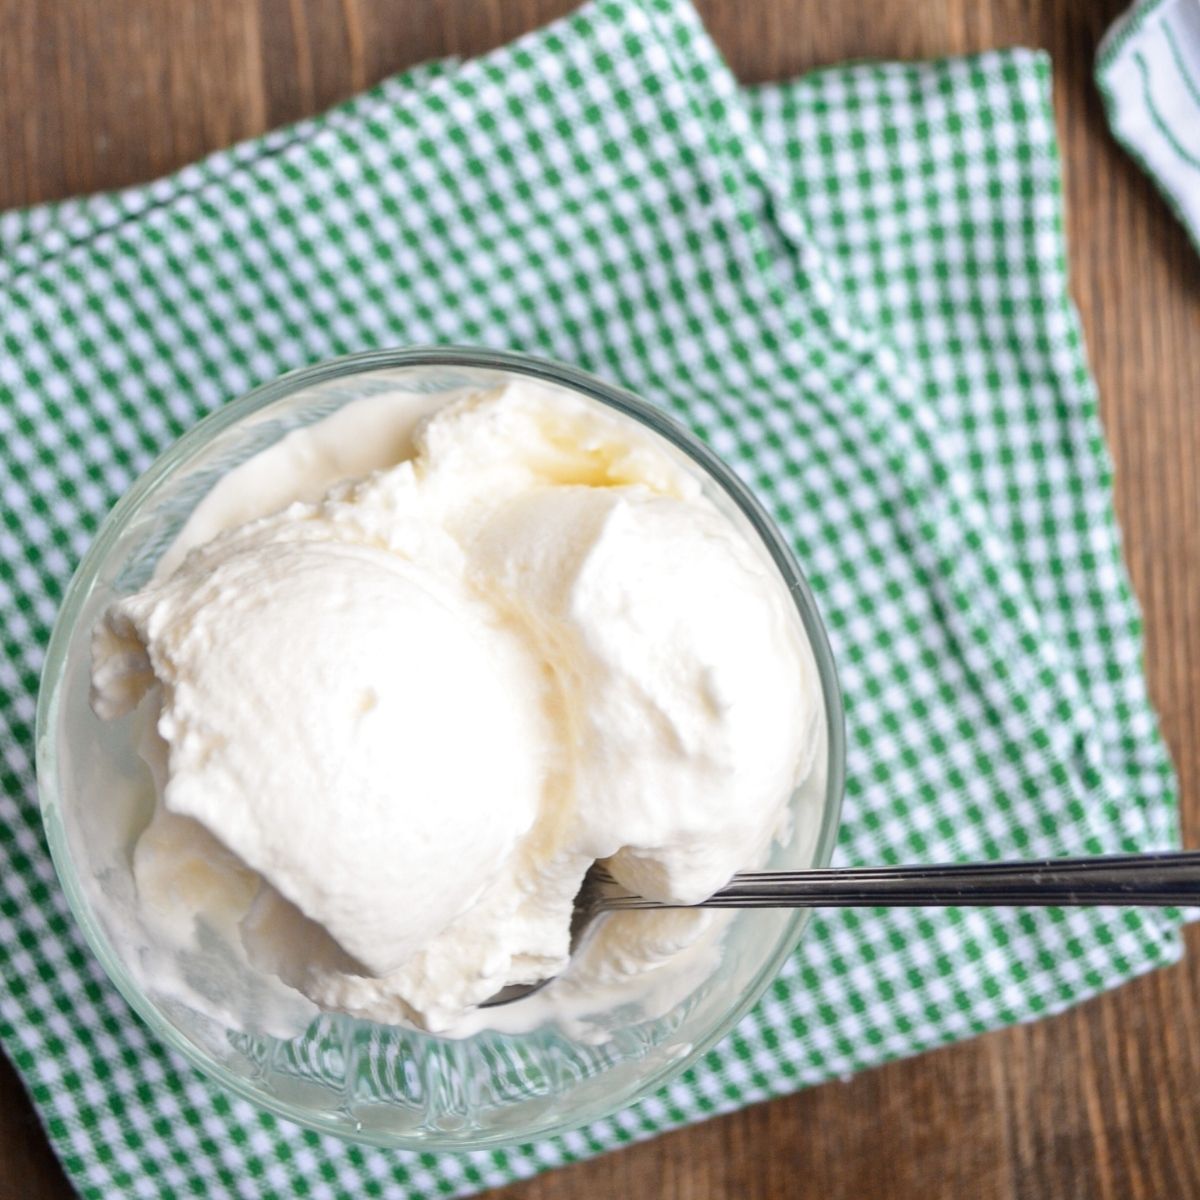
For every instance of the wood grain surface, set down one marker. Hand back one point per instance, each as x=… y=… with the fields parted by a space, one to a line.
x=1102 y=1103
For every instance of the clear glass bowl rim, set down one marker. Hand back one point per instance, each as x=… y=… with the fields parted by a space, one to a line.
x=193 y=442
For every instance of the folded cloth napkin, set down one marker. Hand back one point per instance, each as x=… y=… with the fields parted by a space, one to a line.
x=1148 y=71
x=852 y=285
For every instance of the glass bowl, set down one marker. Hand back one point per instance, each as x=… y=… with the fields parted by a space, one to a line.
x=383 y=1085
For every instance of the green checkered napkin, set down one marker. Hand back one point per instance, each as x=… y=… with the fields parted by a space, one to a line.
x=853 y=286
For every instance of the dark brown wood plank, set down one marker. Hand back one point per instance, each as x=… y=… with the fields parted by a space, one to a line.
x=1100 y=1102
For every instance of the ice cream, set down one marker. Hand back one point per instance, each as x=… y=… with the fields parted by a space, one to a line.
x=394 y=722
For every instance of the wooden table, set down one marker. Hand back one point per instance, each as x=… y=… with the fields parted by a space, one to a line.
x=1103 y=1102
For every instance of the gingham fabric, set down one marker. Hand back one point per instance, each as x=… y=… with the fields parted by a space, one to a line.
x=1148 y=72
x=854 y=287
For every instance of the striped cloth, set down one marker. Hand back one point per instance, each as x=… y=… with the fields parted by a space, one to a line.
x=1148 y=71
x=854 y=287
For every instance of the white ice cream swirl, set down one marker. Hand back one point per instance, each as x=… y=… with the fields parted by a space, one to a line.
x=395 y=725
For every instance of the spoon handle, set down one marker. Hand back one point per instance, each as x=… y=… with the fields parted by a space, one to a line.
x=1156 y=880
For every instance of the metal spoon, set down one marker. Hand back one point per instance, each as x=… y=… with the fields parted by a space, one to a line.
x=1155 y=880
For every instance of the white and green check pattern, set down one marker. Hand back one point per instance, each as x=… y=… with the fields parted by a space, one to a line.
x=853 y=286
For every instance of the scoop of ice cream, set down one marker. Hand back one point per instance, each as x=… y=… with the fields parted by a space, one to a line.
x=680 y=675
x=417 y=710
x=350 y=727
